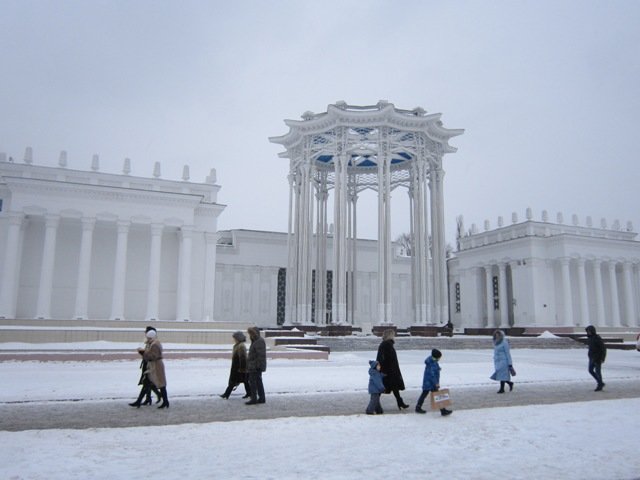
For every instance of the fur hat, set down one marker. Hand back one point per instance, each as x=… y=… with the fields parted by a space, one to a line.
x=239 y=336
x=435 y=353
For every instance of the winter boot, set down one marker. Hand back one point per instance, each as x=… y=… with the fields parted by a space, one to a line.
x=510 y=386
x=165 y=399
x=138 y=402
x=501 y=388
x=444 y=412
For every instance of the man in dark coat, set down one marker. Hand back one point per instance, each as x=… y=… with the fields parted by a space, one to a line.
x=597 y=353
x=256 y=364
x=388 y=359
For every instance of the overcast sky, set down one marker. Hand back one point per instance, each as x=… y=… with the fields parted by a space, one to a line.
x=548 y=93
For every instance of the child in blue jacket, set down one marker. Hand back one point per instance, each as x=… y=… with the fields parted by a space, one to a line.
x=376 y=387
x=431 y=381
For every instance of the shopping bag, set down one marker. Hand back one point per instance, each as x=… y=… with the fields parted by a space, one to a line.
x=440 y=399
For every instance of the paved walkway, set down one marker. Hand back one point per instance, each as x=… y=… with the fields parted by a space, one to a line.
x=114 y=412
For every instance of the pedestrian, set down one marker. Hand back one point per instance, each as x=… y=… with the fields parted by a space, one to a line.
x=146 y=386
x=502 y=361
x=238 y=373
x=388 y=359
x=431 y=380
x=152 y=353
x=597 y=354
x=256 y=365
x=376 y=388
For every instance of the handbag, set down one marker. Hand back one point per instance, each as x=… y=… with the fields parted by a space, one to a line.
x=512 y=370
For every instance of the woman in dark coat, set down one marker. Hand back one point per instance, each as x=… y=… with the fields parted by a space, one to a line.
x=238 y=373
x=388 y=359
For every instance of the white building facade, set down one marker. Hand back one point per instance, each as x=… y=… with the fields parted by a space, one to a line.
x=251 y=280
x=546 y=274
x=87 y=244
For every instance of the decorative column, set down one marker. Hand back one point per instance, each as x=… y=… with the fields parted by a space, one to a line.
x=339 y=236
x=153 y=292
x=615 y=302
x=489 y=295
x=9 y=290
x=46 y=272
x=502 y=295
x=442 y=253
x=567 y=315
x=438 y=245
x=628 y=294
x=599 y=289
x=184 y=306
x=291 y=275
x=582 y=285
x=321 y=251
x=120 y=272
x=384 y=194
x=84 y=269
x=211 y=240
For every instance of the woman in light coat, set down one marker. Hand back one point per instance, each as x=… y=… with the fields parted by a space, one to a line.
x=152 y=353
x=502 y=361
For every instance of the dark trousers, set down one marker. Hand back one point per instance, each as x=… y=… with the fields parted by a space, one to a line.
x=422 y=398
x=374 y=404
x=595 y=369
x=256 y=386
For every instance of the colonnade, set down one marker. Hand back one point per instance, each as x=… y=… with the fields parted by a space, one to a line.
x=17 y=222
x=603 y=292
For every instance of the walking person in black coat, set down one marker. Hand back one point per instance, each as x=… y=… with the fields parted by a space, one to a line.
x=256 y=364
x=597 y=353
x=388 y=359
x=238 y=373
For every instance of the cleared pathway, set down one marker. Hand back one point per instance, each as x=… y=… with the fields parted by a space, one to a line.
x=114 y=412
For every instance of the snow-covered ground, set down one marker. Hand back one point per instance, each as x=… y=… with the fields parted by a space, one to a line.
x=590 y=440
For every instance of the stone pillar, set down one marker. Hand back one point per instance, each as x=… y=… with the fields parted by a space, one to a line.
x=84 y=269
x=502 y=295
x=582 y=285
x=599 y=289
x=289 y=316
x=184 y=306
x=10 y=274
x=567 y=312
x=153 y=291
x=442 y=251
x=43 y=309
x=489 y=295
x=628 y=294
x=615 y=301
x=211 y=240
x=120 y=271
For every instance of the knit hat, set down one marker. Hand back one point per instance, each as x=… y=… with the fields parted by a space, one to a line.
x=435 y=353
